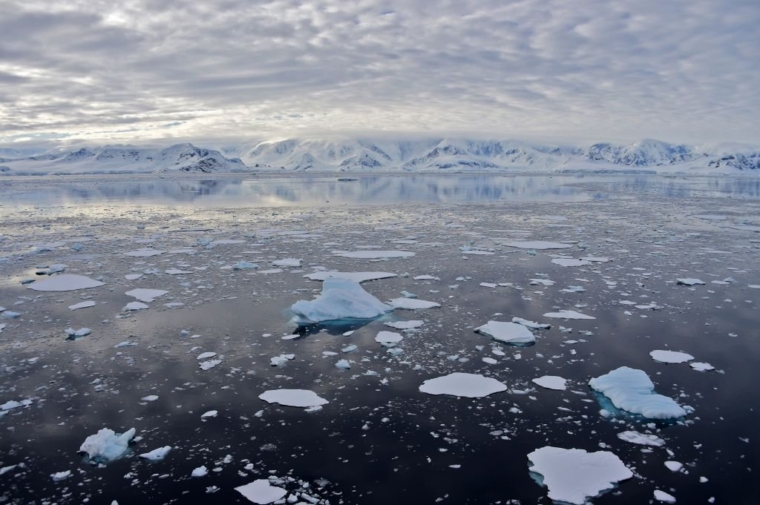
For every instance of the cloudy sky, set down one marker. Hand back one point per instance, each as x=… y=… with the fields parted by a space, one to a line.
x=552 y=69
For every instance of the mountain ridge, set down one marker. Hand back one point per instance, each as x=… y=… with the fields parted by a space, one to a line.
x=364 y=154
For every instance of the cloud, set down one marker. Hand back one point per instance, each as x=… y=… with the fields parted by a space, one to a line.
x=592 y=69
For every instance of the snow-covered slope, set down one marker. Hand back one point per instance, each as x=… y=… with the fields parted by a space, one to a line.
x=344 y=154
x=120 y=159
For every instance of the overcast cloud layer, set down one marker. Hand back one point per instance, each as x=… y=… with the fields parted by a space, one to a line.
x=584 y=69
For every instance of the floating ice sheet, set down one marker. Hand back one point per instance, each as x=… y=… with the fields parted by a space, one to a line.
x=632 y=390
x=293 y=397
x=462 y=384
x=567 y=314
x=635 y=437
x=570 y=262
x=670 y=356
x=372 y=254
x=412 y=304
x=510 y=333
x=539 y=245
x=573 y=475
x=551 y=382
x=157 y=454
x=351 y=276
x=262 y=492
x=340 y=299
x=65 y=282
x=146 y=295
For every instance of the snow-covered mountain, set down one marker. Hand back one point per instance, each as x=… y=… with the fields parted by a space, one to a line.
x=344 y=154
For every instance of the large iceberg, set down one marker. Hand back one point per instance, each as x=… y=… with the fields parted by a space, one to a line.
x=632 y=390
x=106 y=445
x=340 y=299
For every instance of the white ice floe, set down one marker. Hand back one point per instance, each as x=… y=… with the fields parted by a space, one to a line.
x=635 y=437
x=632 y=390
x=75 y=334
x=462 y=384
x=245 y=265
x=146 y=252
x=135 y=306
x=177 y=271
x=570 y=262
x=146 y=295
x=538 y=245
x=340 y=299
x=343 y=364
x=702 y=367
x=209 y=364
x=388 y=338
x=261 y=492
x=149 y=398
x=82 y=305
x=405 y=325
x=351 y=276
x=551 y=382
x=670 y=356
x=567 y=314
x=596 y=259
x=372 y=254
x=412 y=304
x=574 y=475
x=156 y=454
x=65 y=282
x=13 y=404
x=531 y=324
x=674 y=466
x=2 y=327
x=209 y=414
x=664 y=497
x=293 y=397
x=689 y=282
x=281 y=359
x=133 y=277
x=106 y=445
x=510 y=333
x=201 y=471
x=287 y=262
x=426 y=278
x=59 y=476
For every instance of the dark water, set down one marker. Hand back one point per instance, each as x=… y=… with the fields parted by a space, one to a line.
x=408 y=458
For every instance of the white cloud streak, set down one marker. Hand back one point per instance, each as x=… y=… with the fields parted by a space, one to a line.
x=585 y=69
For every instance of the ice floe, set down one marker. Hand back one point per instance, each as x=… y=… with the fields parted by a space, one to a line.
x=538 y=245
x=135 y=306
x=388 y=338
x=293 y=398
x=631 y=390
x=687 y=281
x=82 y=305
x=146 y=295
x=351 y=276
x=373 y=254
x=261 y=492
x=157 y=454
x=574 y=475
x=412 y=304
x=201 y=471
x=146 y=252
x=65 y=282
x=635 y=437
x=702 y=367
x=531 y=324
x=670 y=356
x=340 y=299
x=570 y=262
x=551 y=382
x=405 y=325
x=281 y=359
x=510 y=333
x=567 y=314
x=287 y=262
x=106 y=445
x=59 y=476
x=462 y=384
x=664 y=497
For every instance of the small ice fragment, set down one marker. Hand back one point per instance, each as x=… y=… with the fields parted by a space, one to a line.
x=287 y=262
x=570 y=262
x=59 y=476
x=664 y=497
x=208 y=365
x=412 y=304
x=209 y=414
x=245 y=265
x=551 y=382
x=538 y=245
x=146 y=295
x=149 y=398
x=373 y=254
x=530 y=324
x=205 y=355
x=343 y=364
x=281 y=359
x=674 y=466
x=405 y=325
x=689 y=282
x=567 y=314
x=702 y=367
x=134 y=306
x=462 y=384
x=75 y=334
x=157 y=454
x=261 y=492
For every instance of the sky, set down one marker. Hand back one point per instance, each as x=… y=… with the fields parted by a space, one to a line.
x=562 y=70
